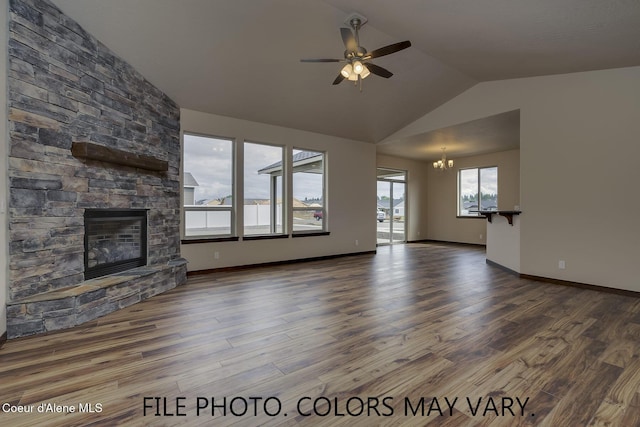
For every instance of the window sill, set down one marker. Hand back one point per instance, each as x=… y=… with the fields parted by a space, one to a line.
x=266 y=237
x=189 y=241
x=210 y=240
x=311 y=233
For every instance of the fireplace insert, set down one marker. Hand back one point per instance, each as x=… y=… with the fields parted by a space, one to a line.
x=115 y=240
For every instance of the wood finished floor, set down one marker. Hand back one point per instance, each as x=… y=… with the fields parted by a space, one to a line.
x=414 y=321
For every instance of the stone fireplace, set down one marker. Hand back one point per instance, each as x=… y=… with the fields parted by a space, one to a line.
x=90 y=137
x=115 y=240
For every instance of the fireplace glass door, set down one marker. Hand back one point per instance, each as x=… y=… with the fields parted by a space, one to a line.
x=115 y=241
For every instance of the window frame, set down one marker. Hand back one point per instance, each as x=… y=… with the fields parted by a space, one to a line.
x=232 y=235
x=272 y=234
x=477 y=213
x=325 y=229
x=394 y=177
x=237 y=178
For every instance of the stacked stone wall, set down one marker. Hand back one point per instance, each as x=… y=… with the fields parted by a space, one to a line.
x=66 y=86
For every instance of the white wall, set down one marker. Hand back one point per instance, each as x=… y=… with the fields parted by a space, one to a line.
x=351 y=196
x=431 y=196
x=4 y=143
x=579 y=151
x=503 y=241
x=416 y=200
x=442 y=191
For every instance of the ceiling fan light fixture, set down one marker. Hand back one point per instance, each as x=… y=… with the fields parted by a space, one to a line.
x=357 y=57
x=346 y=71
x=358 y=67
x=349 y=71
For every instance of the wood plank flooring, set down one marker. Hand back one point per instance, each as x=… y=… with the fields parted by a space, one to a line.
x=418 y=334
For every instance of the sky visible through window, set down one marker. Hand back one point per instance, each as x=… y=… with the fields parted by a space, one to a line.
x=210 y=161
x=486 y=179
x=469 y=182
x=256 y=157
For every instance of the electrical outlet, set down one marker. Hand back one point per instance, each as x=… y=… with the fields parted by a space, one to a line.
x=561 y=264
x=216 y=255
x=481 y=236
x=357 y=242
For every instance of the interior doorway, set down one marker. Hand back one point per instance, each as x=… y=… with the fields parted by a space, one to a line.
x=391 y=210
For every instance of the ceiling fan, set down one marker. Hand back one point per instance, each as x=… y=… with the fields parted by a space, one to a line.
x=358 y=65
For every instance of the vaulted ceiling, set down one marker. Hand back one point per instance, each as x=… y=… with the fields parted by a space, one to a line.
x=240 y=58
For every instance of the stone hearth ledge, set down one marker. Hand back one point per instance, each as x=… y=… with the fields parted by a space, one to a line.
x=68 y=307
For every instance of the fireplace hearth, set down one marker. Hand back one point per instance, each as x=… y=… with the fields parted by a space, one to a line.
x=114 y=241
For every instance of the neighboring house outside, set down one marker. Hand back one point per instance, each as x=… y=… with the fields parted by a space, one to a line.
x=398 y=208
x=471 y=206
x=398 y=211
x=189 y=188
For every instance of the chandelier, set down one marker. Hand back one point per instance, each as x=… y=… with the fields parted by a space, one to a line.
x=443 y=163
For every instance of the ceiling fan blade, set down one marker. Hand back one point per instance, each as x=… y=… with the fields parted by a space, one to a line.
x=348 y=39
x=321 y=60
x=386 y=50
x=378 y=70
x=338 y=79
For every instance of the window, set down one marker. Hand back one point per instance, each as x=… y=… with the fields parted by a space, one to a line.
x=477 y=190
x=309 y=210
x=208 y=186
x=263 y=189
x=210 y=171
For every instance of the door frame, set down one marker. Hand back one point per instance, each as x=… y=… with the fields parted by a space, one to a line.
x=390 y=175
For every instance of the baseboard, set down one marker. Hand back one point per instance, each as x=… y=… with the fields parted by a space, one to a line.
x=566 y=282
x=587 y=286
x=3 y=339
x=274 y=263
x=483 y=245
x=502 y=267
x=492 y=263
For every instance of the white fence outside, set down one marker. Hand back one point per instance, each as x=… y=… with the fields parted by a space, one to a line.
x=257 y=215
x=219 y=221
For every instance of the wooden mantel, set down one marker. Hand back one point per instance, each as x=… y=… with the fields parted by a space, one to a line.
x=93 y=151
x=507 y=214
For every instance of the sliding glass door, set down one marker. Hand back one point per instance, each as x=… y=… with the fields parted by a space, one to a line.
x=391 y=214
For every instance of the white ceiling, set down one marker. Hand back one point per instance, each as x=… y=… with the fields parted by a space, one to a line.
x=499 y=132
x=240 y=58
